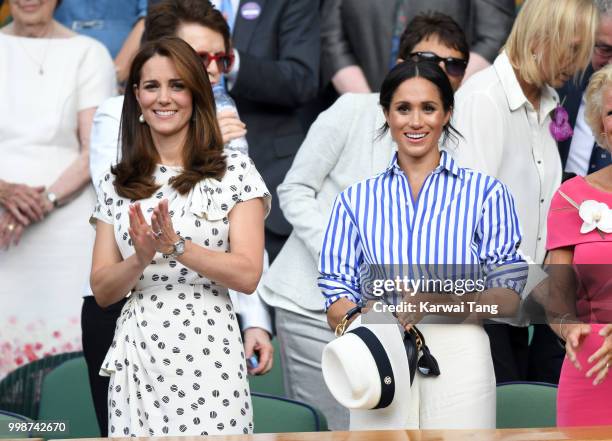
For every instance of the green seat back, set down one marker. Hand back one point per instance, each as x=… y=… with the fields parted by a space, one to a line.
x=272 y=382
x=66 y=395
x=276 y=415
x=10 y=417
x=523 y=404
x=20 y=390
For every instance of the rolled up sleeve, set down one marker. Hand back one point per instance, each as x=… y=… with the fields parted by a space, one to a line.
x=499 y=237
x=341 y=255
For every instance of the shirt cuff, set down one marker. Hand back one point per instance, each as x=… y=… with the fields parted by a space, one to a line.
x=510 y=276
x=253 y=311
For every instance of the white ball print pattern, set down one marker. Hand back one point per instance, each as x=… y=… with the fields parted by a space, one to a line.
x=177 y=362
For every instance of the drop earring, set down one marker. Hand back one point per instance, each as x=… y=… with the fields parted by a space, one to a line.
x=141 y=119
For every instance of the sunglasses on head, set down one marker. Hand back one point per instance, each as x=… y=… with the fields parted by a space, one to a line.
x=224 y=61
x=454 y=66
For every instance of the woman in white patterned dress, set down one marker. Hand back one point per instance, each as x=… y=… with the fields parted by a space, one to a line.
x=163 y=233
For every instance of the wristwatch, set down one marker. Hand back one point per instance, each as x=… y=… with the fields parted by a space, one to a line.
x=179 y=248
x=52 y=197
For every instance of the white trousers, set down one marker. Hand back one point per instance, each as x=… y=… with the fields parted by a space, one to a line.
x=463 y=396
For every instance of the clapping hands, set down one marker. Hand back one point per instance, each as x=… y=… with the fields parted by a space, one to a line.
x=149 y=239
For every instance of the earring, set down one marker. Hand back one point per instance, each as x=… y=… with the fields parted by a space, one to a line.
x=141 y=119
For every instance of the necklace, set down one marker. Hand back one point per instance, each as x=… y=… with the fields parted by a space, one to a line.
x=41 y=63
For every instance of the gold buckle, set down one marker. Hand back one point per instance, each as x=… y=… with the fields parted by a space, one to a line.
x=419 y=342
x=341 y=327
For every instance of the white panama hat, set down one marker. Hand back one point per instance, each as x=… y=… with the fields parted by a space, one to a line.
x=366 y=370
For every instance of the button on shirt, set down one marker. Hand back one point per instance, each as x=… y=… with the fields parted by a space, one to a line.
x=504 y=136
x=459 y=217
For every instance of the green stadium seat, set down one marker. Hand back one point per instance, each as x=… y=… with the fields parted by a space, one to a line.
x=66 y=395
x=524 y=404
x=277 y=415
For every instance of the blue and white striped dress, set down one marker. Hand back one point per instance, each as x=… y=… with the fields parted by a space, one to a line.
x=460 y=217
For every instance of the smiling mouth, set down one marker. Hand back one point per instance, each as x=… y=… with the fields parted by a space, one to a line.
x=415 y=136
x=164 y=112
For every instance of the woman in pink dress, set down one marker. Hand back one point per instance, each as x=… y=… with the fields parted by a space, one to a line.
x=580 y=239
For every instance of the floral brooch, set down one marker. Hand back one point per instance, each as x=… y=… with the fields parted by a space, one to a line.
x=595 y=215
x=559 y=127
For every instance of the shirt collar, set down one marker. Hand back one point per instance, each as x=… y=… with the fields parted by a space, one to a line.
x=447 y=163
x=513 y=91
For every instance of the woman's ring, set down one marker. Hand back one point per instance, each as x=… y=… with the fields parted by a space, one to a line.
x=10 y=227
x=158 y=233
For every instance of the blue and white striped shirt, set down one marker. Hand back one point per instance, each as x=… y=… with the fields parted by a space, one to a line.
x=460 y=217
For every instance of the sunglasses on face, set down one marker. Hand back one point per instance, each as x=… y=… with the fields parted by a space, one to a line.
x=454 y=66
x=224 y=61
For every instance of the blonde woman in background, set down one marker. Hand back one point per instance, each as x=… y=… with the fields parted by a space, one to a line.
x=504 y=114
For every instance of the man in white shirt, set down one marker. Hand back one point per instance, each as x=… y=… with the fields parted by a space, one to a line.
x=580 y=154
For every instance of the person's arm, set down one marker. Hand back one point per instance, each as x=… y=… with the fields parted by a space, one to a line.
x=499 y=237
x=126 y=54
x=254 y=312
x=493 y=20
x=104 y=141
x=76 y=176
x=112 y=277
x=310 y=169
x=350 y=79
x=239 y=269
x=341 y=257
x=338 y=62
x=293 y=77
x=95 y=83
x=560 y=303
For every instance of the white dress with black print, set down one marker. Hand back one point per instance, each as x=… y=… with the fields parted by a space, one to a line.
x=177 y=363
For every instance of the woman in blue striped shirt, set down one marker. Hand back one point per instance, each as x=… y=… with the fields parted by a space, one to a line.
x=425 y=210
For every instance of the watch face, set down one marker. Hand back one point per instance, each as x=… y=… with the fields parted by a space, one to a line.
x=179 y=247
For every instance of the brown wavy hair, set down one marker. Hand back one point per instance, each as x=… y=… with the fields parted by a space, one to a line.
x=203 y=150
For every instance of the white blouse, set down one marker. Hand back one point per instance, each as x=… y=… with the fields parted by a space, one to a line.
x=505 y=137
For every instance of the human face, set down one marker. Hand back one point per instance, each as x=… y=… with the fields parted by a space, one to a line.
x=32 y=12
x=433 y=44
x=606 y=115
x=602 y=53
x=203 y=39
x=165 y=101
x=416 y=118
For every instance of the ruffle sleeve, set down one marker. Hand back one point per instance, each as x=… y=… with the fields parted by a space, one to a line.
x=106 y=195
x=212 y=199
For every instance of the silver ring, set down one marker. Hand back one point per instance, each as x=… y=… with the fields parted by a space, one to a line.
x=608 y=365
x=10 y=227
x=157 y=233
